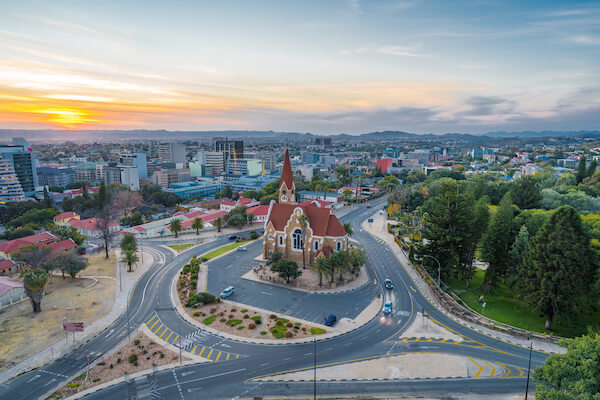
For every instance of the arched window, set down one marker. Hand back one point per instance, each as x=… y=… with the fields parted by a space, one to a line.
x=339 y=246
x=281 y=240
x=297 y=241
x=316 y=245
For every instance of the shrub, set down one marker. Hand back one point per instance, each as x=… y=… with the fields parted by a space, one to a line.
x=272 y=316
x=279 y=323
x=283 y=320
x=234 y=322
x=303 y=329
x=245 y=310
x=251 y=325
x=197 y=313
x=221 y=314
x=278 y=331
x=111 y=366
x=135 y=364
x=133 y=358
x=246 y=316
x=257 y=319
x=182 y=282
x=263 y=333
x=234 y=310
x=96 y=380
x=230 y=316
x=204 y=298
x=253 y=235
x=194 y=283
x=289 y=325
x=136 y=342
x=317 y=331
x=240 y=328
x=297 y=324
x=213 y=310
x=145 y=351
x=204 y=259
x=289 y=334
x=118 y=361
x=102 y=363
x=209 y=320
x=162 y=355
x=222 y=320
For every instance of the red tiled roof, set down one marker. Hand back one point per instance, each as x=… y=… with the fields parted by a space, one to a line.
x=6 y=264
x=317 y=202
x=139 y=228
x=321 y=221
x=7 y=284
x=258 y=210
x=67 y=214
x=227 y=203
x=205 y=218
x=243 y=201
x=64 y=245
x=89 y=224
x=194 y=214
x=12 y=246
x=286 y=173
x=326 y=251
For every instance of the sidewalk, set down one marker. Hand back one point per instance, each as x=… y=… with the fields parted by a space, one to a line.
x=378 y=228
x=204 y=234
x=62 y=347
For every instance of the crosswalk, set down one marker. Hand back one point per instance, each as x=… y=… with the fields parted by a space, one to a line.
x=191 y=343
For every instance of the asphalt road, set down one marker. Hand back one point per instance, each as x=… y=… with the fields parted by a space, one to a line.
x=231 y=376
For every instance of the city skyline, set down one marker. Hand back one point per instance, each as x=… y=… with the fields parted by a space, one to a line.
x=340 y=67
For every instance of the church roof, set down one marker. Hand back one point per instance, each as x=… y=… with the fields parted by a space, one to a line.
x=321 y=221
x=286 y=173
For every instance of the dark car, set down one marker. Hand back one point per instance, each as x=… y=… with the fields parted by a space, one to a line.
x=330 y=320
x=233 y=237
x=389 y=284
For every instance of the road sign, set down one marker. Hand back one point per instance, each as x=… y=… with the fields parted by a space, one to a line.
x=73 y=326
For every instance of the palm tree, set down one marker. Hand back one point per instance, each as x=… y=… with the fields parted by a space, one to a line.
x=175 y=226
x=34 y=281
x=357 y=258
x=321 y=267
x=342 y=262
x=303 y=221
x=348 y=228
x=197 y=225
x=129 y=242
x=130 y=258
x=218 y=223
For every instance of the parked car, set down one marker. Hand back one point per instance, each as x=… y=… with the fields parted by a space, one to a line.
x=389 y=284
x=387 y=307
x=330 y=320
x=242 y=248
x=227 y=292
x=233 y=237
x=368 y=206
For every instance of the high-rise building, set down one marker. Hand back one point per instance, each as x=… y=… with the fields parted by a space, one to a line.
x=323 y=141
x=231 y=148
x=48 y=176
x=23 y=163
x=172 y=152
x=310 y=158
x=166 y=177
x=126 y=175
x=138 y=160
x=10 y=188
x=244 y=166
x=214 y=161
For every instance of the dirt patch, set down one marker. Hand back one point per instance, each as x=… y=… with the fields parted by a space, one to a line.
x=99 y=265
x=140 y=354
x=24 y=333
x=249 y=323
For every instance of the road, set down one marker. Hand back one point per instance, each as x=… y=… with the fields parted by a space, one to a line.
x=240 y=362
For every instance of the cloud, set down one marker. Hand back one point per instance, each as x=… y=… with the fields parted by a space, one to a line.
x=488 y=105
x=391 y=50
x=399 y=5
x=586 y=40
x=355 y=6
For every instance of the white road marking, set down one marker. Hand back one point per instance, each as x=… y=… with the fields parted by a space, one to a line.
x=34 y=378
x=268 y=294
x=177 y=384
x=263 y=365
x=51 y=381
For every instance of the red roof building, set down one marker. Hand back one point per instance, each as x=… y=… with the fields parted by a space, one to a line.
x=12 y=246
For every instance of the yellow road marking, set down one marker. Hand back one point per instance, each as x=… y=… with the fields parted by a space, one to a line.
x=227 y=358
x=521 y=372
x=157 y=329
x=237 y=356
x=493 y=369
x=480 y=367
x=155 y=322
x=209 y=354
x=194 y=349
x=413 y=289
x=506 y=368
x=429 y=340
x=165 y=331
x=218 y=356
x=201 y=351
x=175 y=340
x=167 y=339
x=150 y=320
x=417 y=339
x=405 y=339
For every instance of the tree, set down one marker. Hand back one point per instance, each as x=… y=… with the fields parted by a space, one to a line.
x=557 y=275
x=581 y=170
x=101 y=197
x=34 y=281
x=68 y=232
x=227 y=192
x=357 y=258
x=321 y=268
x=573 y=375
x=286 y=269
x=125 y=202
x=35 y=256
x=525 y=193
x=218 y=223
x=129 y=258
x=197 y=225
x=477 y=225
x=591 y=170
x=47 y=201
x=518 y=251
x=132 y=219
x=496 y=242
x=348 y=228
x=104 y=223
x=69 y=262
x=250 y=217
x=175 y=226
x=347 y=194
x=128 y=243
x=388 y=183
x=341 y=262
x=566 y=179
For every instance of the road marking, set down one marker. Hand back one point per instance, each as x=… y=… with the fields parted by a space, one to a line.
x=201 y=351
x=218 y=356
x=307 y=354
x=157 y=329
x=268 y=294
x=51 y=381
x=167 y=339
x=508 y=371
x=348 y=344
x=183 y=374
x=287 y=358
x=263 y=365
x=150 y=320
x=493 y=369
x=175 y=340
x=227 y=358
x=165 y=331
x=480 y=367
x=155 y=322
x=177 y=384
x=521 y=372
x=209 y=354
x=194 y=349
x=34 y=378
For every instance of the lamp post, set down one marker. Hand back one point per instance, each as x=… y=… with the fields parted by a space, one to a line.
x=529 y=365
x=439 y=267
x=315 y=373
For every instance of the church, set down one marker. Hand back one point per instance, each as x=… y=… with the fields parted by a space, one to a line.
x=319 y=233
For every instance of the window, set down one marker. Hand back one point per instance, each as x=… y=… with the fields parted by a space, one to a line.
x=339 y=246
x=281 y=240
x=297 y=241
x=316 y=245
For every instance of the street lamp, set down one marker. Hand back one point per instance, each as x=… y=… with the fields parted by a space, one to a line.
x=529 y=365
x=439 y=267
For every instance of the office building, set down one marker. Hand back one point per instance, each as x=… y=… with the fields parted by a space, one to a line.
x=172 y=152
x=23 y=163
x=310 y=158
x=422 y=156
x=167 y=177
x=48 y=176
x=214 y=162
x=327 y=161
x=86 y=173
x=138 y=160
x=130 y=177
x=244 y=166
x=323 y=141
x=191 y=190
x=231 y=148
x=10 y=188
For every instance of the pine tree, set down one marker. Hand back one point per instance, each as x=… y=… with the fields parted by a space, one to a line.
x=592 y=168
x=496 y=242
x=557 y=275
x=581 y=170
x=478 y=223
x=525 y=193
x=518 y=251
x=102 y=199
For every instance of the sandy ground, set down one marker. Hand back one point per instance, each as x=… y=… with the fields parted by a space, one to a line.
x=148 y=352
x=423 y=327
x=23 y=333
x=404 y=366
x=241 y=322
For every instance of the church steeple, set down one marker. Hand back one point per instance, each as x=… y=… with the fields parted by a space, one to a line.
x=287 y=188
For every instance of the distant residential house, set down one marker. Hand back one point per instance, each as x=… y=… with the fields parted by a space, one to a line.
x=260 y=213
x=88 y=227
x=227 y=205
x=11 y=291
x=7 y=267
x=12 y=246
x=331 y=197
x=63 y=245
x=186 y=225
x=63 y=219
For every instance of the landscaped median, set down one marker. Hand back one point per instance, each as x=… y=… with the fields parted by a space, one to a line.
x=182 y=247
x=222 y=250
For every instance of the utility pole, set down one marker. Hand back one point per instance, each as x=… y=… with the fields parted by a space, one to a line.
x=315 y=373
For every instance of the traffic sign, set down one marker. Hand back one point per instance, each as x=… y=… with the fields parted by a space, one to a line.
x=73 y=326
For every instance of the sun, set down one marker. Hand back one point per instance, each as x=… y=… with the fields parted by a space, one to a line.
x=66 y=117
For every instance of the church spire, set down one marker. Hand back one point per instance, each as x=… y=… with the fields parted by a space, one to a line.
x=287 y=188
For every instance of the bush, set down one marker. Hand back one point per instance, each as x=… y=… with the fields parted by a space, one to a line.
x=194 y=283
x=272 y=316
x=133 y=358
x=245 y=310
x=230 y=316
x=186 y=269
x=222 y=320
x=289 y=325
x=135 y=364
x=240 y=328
x=102 y=363
x=251 y=325
x=136 y=342
x=289 y=334
x=253 y=235
x=213 y=310
x=246 y=316
x=182 y=282
x=204 y=259
x=111 y=366
x=162 y=355
x=279 y=323
x=203 y=298
x=283 y=320
x=209 y=320
x=303 y=329
x=197 y=313
x=118 y=361
x=234 y=310
x=263 y=333
x=234 y=322
x=257 y=319
x=278 y=331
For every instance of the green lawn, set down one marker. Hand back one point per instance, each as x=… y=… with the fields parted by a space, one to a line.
x=504 y=306
x=181 y=247
x=222 y=250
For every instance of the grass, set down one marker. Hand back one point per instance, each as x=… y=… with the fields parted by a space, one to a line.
x=278 y=331
x=181 y=247
x=256 y=319
x=263 y=333
x=285 y=321
x=209 y=320
x=223 y=250
x=234 y=322
x=317 y=331
x=504 y=305
x=245 y=310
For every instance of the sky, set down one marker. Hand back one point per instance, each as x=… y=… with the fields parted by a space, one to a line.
x=326 y=67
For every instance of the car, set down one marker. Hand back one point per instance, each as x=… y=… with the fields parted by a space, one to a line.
x=233 y=237
x=368 y=206
x=387 y=307
x=242 y=248
x=330 y=320
x=227 y=292
x=388 y=284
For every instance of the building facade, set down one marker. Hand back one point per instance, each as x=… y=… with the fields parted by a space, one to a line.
x=55 y=176
x=23 y=163
x=172 y=152
x=10 y=188
x=138 y=160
